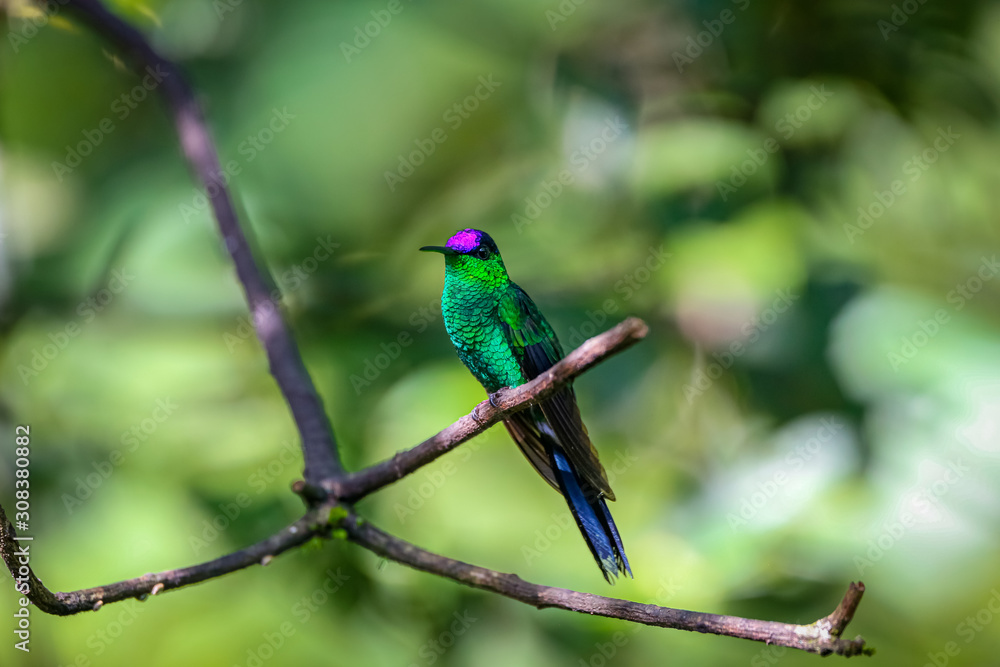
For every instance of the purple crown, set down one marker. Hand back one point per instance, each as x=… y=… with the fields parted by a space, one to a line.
x=465 y=240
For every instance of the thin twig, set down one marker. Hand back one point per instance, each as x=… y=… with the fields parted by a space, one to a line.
x=313 y=524
x=319 y=446
x=842 y=615
x=359 y=484
x=811 y=638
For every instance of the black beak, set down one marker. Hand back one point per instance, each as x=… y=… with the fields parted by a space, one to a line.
x=438 y=248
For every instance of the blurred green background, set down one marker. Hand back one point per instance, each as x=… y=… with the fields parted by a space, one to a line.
x=800 y=199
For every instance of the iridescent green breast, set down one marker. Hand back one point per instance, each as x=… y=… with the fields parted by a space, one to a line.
x=473 y=323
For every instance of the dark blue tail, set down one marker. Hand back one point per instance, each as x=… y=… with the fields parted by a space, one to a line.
x=594 y=519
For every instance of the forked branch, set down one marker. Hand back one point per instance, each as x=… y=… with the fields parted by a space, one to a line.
x=822 y=637
x=327 y=488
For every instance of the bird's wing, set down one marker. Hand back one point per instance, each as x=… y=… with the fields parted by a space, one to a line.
x=537 y=349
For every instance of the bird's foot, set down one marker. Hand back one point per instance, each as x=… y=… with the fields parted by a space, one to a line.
x=494 y=398
x=497 y=395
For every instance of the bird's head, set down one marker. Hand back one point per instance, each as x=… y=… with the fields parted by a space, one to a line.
x=472 y=255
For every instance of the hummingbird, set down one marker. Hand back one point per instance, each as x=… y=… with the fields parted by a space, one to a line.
x=505 y=341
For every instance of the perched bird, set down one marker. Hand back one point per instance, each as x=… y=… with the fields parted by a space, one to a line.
x=505 y=341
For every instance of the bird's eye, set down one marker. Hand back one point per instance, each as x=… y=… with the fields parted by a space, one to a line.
x=482 y=252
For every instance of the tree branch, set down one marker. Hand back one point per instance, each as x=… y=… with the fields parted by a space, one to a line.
x=319 y=446
x=313 y=524
x=324 y=474
x=593 y=351
x=822 y=637
x=362 y=483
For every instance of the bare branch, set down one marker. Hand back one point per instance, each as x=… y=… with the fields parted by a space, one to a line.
x=313 y=524
x=323 y=471
x=818 y=637
x=593 y=351
x=842 y=615
x=318 y=443
x=822 y=637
